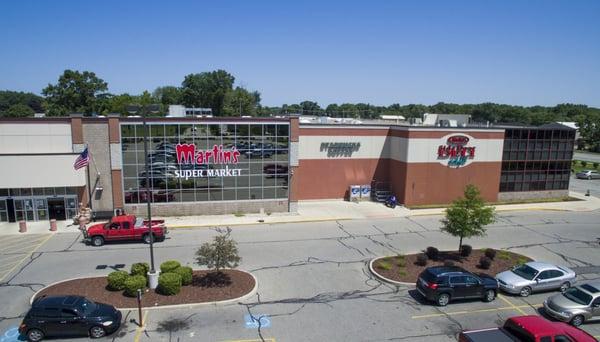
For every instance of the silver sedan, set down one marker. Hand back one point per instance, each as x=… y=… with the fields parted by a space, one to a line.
x=535 y=276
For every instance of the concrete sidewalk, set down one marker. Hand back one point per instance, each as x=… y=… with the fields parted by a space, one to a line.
x=311 y=211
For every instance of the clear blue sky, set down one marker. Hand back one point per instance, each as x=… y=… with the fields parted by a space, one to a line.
x=379 y=52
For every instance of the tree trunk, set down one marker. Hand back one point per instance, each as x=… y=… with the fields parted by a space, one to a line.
x=460 y=244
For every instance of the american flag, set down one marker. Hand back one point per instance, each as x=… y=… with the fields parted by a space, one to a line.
x=83 y=160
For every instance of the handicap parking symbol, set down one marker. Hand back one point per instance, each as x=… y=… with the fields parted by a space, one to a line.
x=252 y=321
x=11 y=335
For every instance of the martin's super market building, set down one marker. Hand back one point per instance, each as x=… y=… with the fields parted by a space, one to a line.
x=231 y=165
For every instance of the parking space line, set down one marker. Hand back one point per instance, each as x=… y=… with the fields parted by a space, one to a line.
x=452 y=313
x=511 y=304
x=16 y=237
x=138 y=330
x=13 y=248
x=26 y=256
x=21 y=239
x=271 y=339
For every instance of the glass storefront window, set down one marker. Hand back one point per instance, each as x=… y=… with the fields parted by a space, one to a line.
x=262 y=163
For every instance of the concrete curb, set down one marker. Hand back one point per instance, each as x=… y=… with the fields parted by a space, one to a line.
x=190 y=226
x=175 y=306
x=380 y=277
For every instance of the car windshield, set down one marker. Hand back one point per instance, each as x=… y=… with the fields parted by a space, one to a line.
x=87 y=307
x=578 y=296
x=525 y=271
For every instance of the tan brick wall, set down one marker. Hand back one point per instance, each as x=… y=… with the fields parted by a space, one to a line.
x=95 y=135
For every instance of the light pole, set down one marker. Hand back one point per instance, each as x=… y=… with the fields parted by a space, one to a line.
x=152 y=273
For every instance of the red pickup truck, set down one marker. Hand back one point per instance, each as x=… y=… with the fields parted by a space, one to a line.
x=528 y=329
x=125 y=227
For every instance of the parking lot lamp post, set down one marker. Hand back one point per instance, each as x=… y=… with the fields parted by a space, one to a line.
x=152 y=273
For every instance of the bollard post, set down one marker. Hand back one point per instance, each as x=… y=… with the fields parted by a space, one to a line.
x=587 y=193
x=22 y=227
x=53 y=225
x=139 y=301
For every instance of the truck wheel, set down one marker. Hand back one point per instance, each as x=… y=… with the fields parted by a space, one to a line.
x=489 y=296
x=146 y=238
x=577 y=321
x=97 y=241
x=443 y=299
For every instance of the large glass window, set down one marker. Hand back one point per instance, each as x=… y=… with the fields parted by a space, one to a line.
x=536 y=159
x=263 y=162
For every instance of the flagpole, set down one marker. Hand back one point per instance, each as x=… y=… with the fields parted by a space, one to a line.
x=89 y=183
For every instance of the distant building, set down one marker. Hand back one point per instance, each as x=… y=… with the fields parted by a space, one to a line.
x=180 y=111
x=446 y=120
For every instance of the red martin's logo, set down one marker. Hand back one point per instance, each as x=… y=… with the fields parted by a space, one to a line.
x=187 y=154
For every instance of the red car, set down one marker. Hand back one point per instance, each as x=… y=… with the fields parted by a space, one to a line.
x=125 y=227
x=528 y=329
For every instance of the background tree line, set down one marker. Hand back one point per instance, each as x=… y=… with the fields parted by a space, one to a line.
x=85 y=92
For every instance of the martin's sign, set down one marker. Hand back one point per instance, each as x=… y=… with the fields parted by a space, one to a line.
x=456 y=152
x=187 y=154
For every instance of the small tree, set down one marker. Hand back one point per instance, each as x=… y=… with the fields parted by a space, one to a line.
x=468 y=216
x=221 y=253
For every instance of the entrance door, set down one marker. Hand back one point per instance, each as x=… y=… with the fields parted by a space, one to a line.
x=3 y=213
x=56 y=209
x=10 y=210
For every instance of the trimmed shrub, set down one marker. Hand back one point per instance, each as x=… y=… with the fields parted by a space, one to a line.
x=448 y=263
x=485 y=262
x=421 y=260
x=116 y=280
x=384 y=265
x=583 y=163
x=169 y=266
x=432 y=253
x=400 y=262
x=465 y=250
x=139 y=268
x=596 y=165
x=490 y=253
x=169 y=284
x=186 y=274
x=133 y=283
x=521 y=260
x=504 y=255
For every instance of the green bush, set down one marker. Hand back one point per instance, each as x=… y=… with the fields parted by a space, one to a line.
x=384 y=265
x=169 y=284
x=116 y=280
x=169 y=266
x=133 y=283
x=186 y=274
x=140 y=268
x=596 y=165
x=583 y=163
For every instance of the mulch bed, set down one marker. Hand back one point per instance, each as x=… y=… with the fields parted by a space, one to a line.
x=409 y=273
x=205 y=287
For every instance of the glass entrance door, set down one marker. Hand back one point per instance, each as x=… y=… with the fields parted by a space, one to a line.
x=41 y=209
x=3 y=211
x=24 y=209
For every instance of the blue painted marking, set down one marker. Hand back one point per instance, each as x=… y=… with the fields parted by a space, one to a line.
x=11 y=335
x=252 y=322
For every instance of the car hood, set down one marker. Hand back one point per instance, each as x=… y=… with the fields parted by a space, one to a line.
x=96 y=228
x=488 y=280
x=508 y=277
x=104 y=310
x=562 y=303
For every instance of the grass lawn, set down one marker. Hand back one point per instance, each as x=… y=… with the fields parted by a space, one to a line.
x=577 y=166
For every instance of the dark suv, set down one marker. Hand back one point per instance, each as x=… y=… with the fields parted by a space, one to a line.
x=69 y=316
x=440 y=284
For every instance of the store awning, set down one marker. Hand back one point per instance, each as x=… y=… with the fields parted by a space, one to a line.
x=40 y=171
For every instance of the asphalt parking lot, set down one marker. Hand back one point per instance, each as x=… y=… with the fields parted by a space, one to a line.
x=583 y=185
x=313 y=279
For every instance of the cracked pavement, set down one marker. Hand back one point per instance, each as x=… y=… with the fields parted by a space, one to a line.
x=313 y=279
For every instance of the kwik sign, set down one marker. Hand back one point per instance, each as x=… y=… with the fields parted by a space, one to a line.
x=456 y=152
x=188 y=154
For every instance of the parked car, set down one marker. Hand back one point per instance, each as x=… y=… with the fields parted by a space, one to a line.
x=69 y=316
x=527 y=329
x=575 y=305
x=440 y=284
x=588 y=174
x=125 y=227
x=535 y=276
